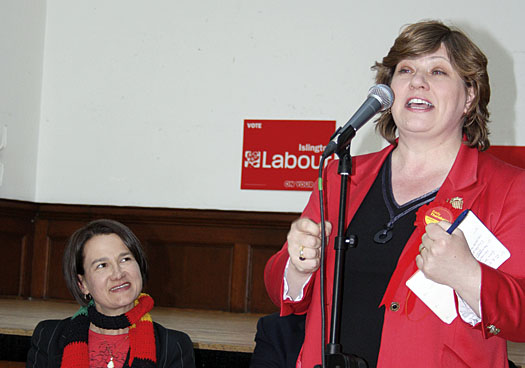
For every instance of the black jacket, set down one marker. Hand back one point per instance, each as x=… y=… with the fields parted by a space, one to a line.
x=174 y=348
x=278 y=341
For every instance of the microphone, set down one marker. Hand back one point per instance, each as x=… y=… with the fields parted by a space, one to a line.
x=380 y=98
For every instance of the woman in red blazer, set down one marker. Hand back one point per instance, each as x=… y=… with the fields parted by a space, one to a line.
x=433 y=168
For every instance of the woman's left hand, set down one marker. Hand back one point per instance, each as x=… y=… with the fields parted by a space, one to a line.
x=446 y=258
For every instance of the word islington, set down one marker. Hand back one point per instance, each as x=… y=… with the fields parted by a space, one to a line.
x=310 y=148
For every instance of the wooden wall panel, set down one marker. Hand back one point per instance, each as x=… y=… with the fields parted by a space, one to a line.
x=40 y=256
x=48 y=249
x=55 y=285
x=240 y=273
x=203 y=259
x=190 y=275
x=58 y=233
x=16 y=238
x=11 y=246
x=259 y=302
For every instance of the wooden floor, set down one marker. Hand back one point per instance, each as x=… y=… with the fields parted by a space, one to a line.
x=210 y=330
x=6 y=364
x=516 y=353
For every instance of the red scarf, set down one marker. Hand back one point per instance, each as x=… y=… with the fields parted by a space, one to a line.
x=142 y=350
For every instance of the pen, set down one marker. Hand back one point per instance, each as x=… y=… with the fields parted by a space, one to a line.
x=456 y=223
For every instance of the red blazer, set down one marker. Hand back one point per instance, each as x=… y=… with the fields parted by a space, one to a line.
x=413 y=336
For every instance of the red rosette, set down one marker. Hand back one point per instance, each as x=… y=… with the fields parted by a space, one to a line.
x=434 y=212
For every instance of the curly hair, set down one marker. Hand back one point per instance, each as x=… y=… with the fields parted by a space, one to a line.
x=467 y=59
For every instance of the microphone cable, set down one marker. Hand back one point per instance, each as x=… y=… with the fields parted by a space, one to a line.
x=322 y=260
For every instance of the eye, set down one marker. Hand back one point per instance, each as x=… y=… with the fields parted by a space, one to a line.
x=403 y=70
x=438 y=72
x=100 y=266
x=126 y=259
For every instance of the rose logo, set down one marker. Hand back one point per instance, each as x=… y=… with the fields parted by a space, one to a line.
x=252 y=158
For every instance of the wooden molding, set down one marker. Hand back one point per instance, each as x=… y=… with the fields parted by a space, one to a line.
x=203 y=259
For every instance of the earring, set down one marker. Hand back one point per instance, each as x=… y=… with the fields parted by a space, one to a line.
x=88 y=297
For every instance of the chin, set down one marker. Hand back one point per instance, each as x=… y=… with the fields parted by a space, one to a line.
x=122 y=308
x=124 y=300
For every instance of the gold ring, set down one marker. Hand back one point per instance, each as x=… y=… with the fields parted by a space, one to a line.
x=421 y=249
x=301 y=254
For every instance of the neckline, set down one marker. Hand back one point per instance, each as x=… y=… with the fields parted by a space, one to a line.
x=106 y=336
x=395 y=211
x=388 y=192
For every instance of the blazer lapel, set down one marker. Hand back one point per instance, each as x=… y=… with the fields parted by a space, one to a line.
x=461 y=182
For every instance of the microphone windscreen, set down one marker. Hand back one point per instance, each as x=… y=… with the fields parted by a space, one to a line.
x=383 y=94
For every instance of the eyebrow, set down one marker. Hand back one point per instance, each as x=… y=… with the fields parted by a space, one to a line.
x=103 y=259
x=434 y=57
x=439 y=57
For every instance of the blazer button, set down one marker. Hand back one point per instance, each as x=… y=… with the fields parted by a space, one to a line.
x=493 y=329
x=394 y=307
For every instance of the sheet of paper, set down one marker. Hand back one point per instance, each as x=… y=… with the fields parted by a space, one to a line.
x=485 y=247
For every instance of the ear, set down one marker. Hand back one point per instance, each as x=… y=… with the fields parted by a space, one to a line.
x=471 y=95
x=82 y=284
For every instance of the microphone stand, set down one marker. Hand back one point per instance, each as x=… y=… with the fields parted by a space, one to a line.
x=334 y=356
x=380 y=97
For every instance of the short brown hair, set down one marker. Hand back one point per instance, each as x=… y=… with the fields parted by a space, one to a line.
x=73 y=261
x=467 y=59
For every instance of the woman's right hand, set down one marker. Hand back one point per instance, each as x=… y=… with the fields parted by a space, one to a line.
x=304 y=245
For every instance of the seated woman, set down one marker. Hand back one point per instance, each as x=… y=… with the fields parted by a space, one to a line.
x=105 y=268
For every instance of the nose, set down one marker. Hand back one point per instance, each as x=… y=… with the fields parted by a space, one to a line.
x=418 y=81
x=117 y=271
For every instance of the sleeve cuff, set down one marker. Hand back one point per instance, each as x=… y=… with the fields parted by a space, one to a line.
x=466 y=313
x=285 y=286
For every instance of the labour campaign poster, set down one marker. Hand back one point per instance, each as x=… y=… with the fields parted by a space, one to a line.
x=283 y=154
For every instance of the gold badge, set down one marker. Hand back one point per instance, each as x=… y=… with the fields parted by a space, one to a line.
x=456 y=202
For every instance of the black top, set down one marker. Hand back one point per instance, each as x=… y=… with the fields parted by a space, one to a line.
x=174 y=348
x=369 y=266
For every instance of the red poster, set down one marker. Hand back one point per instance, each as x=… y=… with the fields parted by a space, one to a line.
x=283 y=154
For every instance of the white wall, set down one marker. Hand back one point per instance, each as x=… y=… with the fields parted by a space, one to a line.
x=22 y=24
x=143 y=102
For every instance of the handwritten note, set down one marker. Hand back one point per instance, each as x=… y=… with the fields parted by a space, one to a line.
x=485 y=247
